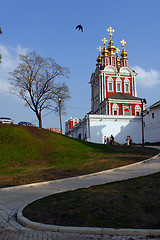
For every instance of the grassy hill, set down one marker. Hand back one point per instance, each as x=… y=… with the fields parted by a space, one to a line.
x=30 y=154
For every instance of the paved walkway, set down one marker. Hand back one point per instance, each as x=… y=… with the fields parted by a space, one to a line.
x=13 y=198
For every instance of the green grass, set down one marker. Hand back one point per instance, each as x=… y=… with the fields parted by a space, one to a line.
x=126 y=204
x=30 y=154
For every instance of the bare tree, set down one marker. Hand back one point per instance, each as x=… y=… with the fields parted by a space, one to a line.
x=34 y=81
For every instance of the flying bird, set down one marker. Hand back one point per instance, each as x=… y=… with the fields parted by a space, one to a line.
x=79 y=27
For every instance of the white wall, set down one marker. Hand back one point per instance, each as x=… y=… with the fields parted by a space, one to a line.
x=152 y=126
x=119 y=126
x=98 y=126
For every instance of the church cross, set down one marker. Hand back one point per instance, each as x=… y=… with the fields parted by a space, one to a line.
x=110 y=30
x=117 y=50
x=104 y=40
x=123 y=42
x=99 y=48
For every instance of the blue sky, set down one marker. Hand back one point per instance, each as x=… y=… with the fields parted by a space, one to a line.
x=48 y=27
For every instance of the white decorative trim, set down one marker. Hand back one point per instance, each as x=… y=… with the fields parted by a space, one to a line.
x=110 y=80
x=126 y=82
x=118 y=81
x=137 y=110
x=115 y=108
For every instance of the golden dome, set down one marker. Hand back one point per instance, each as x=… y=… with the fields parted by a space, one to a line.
x=99 y=59
x=105 y=51
x=123 y=53
x=111 y=48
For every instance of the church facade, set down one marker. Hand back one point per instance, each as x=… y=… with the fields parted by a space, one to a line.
x=115 y=107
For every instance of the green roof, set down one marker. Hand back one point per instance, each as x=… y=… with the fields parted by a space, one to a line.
x=157 y=104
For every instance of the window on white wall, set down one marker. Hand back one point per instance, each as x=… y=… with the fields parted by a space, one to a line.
x=110 y=84
x=137 y=110
x=127 y=112
x=118 y=85
x=126 y=88
x=115 y=109
x=126 y=85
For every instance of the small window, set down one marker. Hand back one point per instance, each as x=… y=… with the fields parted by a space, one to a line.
x=118 y=87
x=126 y=87
x=137 y=110
x=126 y=112
x=152 y=115
x=110 y=86
x=115 y=109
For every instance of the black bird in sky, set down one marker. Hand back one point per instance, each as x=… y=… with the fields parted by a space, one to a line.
x=79 y=27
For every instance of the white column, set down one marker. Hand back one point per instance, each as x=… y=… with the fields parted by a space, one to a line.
x=104 y=86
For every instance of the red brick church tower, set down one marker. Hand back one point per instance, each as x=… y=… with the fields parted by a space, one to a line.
x=113 y=84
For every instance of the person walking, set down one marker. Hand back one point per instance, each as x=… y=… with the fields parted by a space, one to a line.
x=112 y=140
x=105 y=140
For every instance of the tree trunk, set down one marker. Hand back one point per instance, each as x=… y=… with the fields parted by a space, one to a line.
x=60 y=117
x=40 y=122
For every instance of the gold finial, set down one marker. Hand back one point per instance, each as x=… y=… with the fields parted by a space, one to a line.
x=99 y=48
x=105 y=51
x=104 y=40
x=123 y=42
x=99 y=60
x=111 y=48
x=123 y=53
x=110 y=30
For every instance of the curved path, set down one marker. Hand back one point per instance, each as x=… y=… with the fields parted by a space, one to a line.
x=13 y=198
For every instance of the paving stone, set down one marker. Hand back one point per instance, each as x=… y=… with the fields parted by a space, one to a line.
x=11 y=199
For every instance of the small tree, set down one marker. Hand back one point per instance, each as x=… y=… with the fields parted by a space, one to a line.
x=34 y=81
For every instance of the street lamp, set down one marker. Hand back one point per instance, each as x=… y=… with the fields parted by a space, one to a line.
x=143 y=100
x=59 y=106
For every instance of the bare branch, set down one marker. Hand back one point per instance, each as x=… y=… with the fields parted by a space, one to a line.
x=35 y=81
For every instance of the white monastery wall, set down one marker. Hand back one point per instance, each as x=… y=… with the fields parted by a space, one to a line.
x=152 y=126
x=95 y=127
x=119 y=127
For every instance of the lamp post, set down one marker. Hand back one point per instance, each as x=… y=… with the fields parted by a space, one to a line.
x=60 y=118
x=143 y=100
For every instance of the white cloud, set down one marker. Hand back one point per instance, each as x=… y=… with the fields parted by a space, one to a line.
x=10 y=60
x=147 y=79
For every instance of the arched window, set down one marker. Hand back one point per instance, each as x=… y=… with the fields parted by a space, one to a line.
x=137 y=110
x=126 y=85
x=126 y=110
x=110 y=84
x=118 y=85
x=115 y=109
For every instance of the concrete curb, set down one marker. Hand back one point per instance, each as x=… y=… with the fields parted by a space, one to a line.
x=79 y=177
x=85 y=230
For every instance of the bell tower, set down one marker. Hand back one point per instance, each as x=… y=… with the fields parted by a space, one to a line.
x=113 y=84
